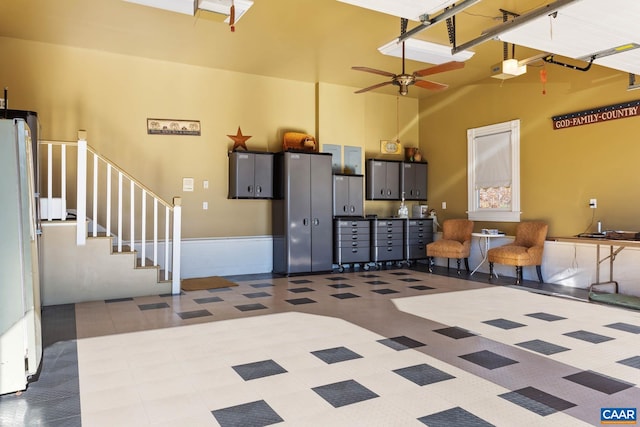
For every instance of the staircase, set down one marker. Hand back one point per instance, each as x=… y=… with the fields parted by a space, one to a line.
x=114 y=246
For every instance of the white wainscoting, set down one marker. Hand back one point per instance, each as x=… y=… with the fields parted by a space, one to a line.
x=569 y=264
x=224 y=256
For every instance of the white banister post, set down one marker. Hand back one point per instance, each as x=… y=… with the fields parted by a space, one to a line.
x=81 y=195
x=177 y=236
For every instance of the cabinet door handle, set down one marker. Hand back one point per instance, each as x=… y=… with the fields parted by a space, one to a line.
x=344 y=208
x=250 y=189
x=258 y=189
x=353 y=209
x=316 y=221
x=305 y=221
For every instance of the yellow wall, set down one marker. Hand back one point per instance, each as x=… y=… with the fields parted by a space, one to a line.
x=111 y=96
x=560 y=169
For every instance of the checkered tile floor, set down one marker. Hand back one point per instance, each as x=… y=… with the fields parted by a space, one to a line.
x=390 y=348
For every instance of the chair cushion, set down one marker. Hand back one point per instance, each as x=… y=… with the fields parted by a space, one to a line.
x=515 y=255
x=444 y=248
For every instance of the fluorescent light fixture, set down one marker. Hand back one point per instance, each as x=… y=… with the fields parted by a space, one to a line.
x=424 y=51
x=187 y=7
x=410 y=9
x=508 y=69
x=223 y=7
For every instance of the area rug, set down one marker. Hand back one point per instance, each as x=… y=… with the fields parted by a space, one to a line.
x=627 y=301
x=202 y=283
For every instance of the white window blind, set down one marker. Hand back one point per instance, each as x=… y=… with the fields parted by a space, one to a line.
x=493 y=160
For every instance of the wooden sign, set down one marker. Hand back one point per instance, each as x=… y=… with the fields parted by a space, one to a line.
x=597 y=115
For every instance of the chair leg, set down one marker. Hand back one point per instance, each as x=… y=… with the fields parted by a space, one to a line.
x=458 y=263
x=430 y=262
x=518 y=275
x=539 y=271
x=447 y=264
x=490 y=271
x=466 y=264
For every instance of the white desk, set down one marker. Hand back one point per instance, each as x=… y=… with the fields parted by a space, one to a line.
x=487 y=245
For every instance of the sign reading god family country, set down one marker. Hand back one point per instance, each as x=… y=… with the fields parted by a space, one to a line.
x=597 y=115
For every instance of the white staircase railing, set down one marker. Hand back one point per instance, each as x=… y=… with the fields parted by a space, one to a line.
x=104 y=204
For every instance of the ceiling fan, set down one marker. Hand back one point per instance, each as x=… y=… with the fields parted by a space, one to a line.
x=405 y=80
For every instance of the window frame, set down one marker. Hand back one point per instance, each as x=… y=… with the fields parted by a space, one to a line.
x=475 y=213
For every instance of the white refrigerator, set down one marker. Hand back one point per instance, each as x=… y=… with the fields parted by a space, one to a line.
x=20 y=314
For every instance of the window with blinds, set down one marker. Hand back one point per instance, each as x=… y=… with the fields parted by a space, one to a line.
x=494 y=172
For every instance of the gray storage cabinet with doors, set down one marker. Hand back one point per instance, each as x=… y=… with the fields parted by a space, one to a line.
x=414 y=180
x=302 y=213
x=351 y=242
x=250 y=175
x=418 y=233
x=383 y=179
x=348 y=196
x=387 y=240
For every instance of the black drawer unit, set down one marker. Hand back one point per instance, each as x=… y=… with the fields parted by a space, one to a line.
x=418 y=234
x=387 y=240
x=351 y=242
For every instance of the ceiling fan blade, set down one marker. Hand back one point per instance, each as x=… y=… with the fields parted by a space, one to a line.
x=447 y=66
x=366 y=89
x=426 y=84
x=373 y=70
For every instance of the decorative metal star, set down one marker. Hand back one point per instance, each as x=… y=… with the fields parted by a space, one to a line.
x=239 y=140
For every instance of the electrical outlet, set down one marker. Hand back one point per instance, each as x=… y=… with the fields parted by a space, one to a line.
x=205 y=205
x=593 y=203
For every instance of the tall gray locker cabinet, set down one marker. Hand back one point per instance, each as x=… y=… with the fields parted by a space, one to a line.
x=302 y=213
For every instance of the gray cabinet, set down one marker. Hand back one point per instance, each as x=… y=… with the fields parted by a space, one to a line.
x=383 y=179
x=387 y=240
x=414 y=180
x=348 y=196
x=351 y=241
x=418 y=233
x=250 y=175
x=301 y=213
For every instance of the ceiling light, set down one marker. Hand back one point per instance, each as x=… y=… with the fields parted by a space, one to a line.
x=424 y=51
x=508 y=69
x=224 y=7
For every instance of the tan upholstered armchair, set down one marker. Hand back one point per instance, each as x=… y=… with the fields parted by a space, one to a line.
x=455 y=243
x=525 y=250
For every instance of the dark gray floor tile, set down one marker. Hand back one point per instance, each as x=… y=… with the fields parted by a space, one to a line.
x=346 y=295
x=369 y=275
x=153 y=306
x=336 y=355
x=299 y=301
x=377 y=282
x=109 y=301
x=528 y=403
x=169 y=294
x=457 y=417
x=193 y=314
x=423 y=374
x=264 y=368
x=262 y=285
x=634 y=362
x=385 y=291
x=257 y=295
x=455 y=332
x=504 y=324
x=300 y=281
x=546 y=316
x=337 y=278
x=344 y=393
x=626 y=327
x=588 y=336
x=300 y=290
x=400 y=273
x=537 y=401
x=250 y=307
x=542 y=347
x=409 y=280
x=217 y=290
x=207 y=300
x=253 y=414
x=340 y=285
x=421 y=287
x=401 y=343
x=599 y=382
x=488 y=359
